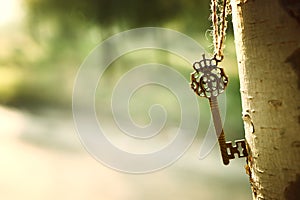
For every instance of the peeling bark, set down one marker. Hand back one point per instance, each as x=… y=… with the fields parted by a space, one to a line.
x=267 y=37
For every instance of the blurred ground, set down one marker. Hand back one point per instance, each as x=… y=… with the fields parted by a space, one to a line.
x=42 y=158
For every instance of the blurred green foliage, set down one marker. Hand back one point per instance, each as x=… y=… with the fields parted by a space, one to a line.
x=61 y=33
x=129 y=13
x=58 y=35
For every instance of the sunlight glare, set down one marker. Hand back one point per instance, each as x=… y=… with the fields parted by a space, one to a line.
x=10 y=11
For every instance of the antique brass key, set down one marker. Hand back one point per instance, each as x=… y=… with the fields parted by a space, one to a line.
x=209 y=81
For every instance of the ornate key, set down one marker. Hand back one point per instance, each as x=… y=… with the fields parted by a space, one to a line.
x=209 y=81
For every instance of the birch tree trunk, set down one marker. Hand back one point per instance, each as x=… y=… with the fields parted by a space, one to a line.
x=267 y=37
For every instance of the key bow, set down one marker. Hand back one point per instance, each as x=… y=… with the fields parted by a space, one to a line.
x=208 y=80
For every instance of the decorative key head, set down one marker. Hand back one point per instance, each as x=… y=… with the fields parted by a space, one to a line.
x=208 y=80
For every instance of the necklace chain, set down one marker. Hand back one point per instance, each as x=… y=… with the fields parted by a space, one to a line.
x=219 y=26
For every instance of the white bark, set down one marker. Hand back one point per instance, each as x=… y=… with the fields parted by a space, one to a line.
x=267 y=37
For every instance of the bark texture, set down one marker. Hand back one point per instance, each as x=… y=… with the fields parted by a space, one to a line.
x=267 y=37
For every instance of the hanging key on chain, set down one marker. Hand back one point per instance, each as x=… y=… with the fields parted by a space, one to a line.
x=209 y=80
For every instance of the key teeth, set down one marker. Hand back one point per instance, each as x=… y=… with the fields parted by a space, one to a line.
x=234 y=149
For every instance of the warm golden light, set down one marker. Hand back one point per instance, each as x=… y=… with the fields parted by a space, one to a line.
x=10 y=11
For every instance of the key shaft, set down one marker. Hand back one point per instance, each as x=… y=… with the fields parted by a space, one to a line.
x=214 y=107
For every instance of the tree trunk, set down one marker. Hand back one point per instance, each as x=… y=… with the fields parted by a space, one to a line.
x=267 y=37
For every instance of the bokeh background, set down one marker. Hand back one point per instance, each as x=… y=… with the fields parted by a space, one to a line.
x=42 y=45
